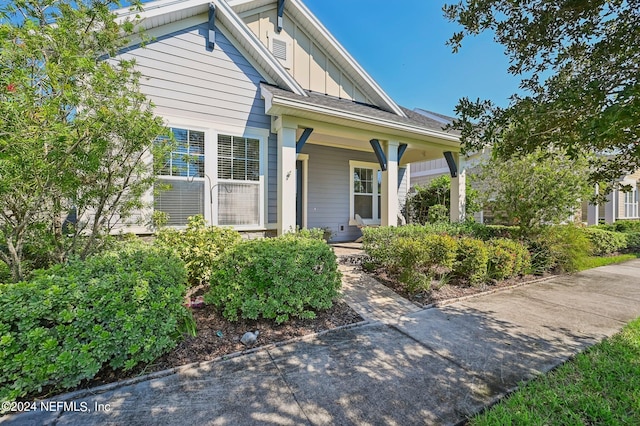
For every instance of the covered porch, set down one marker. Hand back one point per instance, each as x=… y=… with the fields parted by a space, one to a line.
x=338 y=159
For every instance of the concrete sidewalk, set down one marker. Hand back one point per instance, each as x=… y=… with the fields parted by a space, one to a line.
x=433 y=366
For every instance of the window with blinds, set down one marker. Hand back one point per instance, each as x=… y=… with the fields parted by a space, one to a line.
x=180 y=187
x=238 y=180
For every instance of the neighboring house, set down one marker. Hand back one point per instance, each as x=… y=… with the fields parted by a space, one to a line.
x=277 y=125
x=619 y=205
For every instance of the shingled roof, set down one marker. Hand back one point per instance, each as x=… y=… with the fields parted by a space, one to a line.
x=319 y=99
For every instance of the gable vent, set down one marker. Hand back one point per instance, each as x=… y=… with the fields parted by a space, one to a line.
x=280 y=49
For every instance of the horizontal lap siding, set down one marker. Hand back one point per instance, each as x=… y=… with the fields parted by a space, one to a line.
x=329 y=179
x=184 y=79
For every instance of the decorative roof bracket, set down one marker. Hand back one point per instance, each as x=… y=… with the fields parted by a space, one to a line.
x=280 y=14
x=451 y=162
x=401 y=149
x=303 y=139
x=212 y=26
x=377 y=149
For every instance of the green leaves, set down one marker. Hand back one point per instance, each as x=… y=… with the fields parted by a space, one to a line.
x=76 y=131
x=578 y=62
x=275 y=278
x=117 y=309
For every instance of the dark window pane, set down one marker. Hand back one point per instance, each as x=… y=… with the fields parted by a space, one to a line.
x=363 y=205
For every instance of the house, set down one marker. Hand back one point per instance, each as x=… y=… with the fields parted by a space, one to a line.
x=277 y=125
x=620 y=204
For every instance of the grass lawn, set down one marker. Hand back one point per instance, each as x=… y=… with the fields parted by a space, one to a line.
x=595 y=261
x=598 y=387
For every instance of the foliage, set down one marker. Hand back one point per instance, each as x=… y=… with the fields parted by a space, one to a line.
x=424 y=205
x=633 y=242
x=605 y=242
x=313 y=233
x=116 y=309
x=598 y=386
x=76 y=139
x=559 y=248
x=581 y=94
x=199 y=246
x=535 y=190
x=507 y=259
x=472 y=259
x=275 y=278
x=418 y=258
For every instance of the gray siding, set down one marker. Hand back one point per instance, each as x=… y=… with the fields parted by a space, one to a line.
x=328 y=186
x=185 y=79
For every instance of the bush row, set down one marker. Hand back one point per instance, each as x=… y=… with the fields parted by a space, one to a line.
x=116 y=309
x=418 y=256
x=275 y=278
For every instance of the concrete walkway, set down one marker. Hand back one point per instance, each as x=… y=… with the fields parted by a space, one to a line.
x=433 y=366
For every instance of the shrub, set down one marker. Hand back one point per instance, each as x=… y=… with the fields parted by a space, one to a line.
x=560 y=247
x=633 y=241
x=275 y=278
x=507 y=258
x=377 y=242
x=116 y=309
x=418 y=258
x=628 y=225
x=472 y=257
x=605 y=242
x=199 y=246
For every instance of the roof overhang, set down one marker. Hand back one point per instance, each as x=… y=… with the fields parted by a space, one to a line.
x=376 y=127
x=165 y=12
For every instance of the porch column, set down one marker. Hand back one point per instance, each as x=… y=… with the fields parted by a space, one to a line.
x=389 y=196
x=458 y=195
x=286 y=175
x=593 y=211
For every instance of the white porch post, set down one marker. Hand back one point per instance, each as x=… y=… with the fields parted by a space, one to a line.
x=389 y=200
x=286 y=175
x=458 y=194
x=593 y=211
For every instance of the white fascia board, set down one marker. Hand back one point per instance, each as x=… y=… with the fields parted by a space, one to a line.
x=240 y=29
x=306 y=13
x=273 y=102
x=229 y=19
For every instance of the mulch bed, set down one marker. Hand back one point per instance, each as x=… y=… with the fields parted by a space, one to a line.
x=449 y=291
x=208 y=345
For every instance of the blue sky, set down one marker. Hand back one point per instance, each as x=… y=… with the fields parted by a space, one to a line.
x=401 y=44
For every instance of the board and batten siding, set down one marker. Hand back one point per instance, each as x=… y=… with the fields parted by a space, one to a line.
x=328 y=188
x=310 y=66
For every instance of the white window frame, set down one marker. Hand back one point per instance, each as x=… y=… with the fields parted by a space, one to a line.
x=376 y=169
x=631 y=202
x=211 y=132
x=169 y=178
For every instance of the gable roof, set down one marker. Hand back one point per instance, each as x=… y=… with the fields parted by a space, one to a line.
x=163 y=12
x=314 y=28
x=412 y=122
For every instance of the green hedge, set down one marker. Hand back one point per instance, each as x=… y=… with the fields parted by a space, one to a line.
x=199 y=246
x=275 y=278
x=633 y=241
x=472 y=258
x=559 y=248
x=507 y=259
x=605 y=242
x=116 y=309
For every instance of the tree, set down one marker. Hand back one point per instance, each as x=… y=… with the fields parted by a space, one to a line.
x=76 y=134
x=535 y=189
x=579 y=65
x=437 y=193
